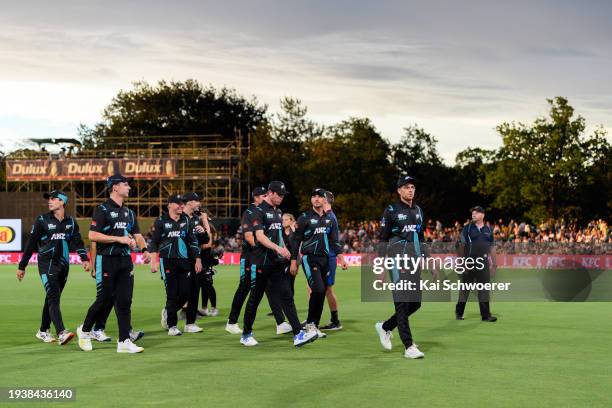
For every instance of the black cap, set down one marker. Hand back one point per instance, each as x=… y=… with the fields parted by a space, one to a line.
x=57 y=194
x=116 y=179
x=477 y=208
x=318 y=191
x=278 y=187
x=191 y=196
x=176 y=198
x=329 y=196
x=259 y=190
x=403 y=180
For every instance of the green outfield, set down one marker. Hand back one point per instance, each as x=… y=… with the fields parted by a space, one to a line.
x=538 y=354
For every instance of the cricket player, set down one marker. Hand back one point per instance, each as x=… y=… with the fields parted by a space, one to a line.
x=267 y=265
x=114 y=228
x=401 y=233
x=311 y=233
x=172 y=246
x=52 y=235
x=332 y=300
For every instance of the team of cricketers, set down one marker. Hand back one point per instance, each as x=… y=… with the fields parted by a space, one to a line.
x=274 y=244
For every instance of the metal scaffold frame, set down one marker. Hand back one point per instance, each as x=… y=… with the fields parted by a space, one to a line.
x=210 y=165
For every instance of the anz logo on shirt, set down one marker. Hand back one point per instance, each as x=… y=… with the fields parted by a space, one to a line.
x=176 y=234
x=410 y=228
x=58 y=236
x=321 y=230
x=120 y=225
x=275 y=226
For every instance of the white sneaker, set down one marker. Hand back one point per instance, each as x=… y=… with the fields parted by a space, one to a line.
x=213 y=312
x=284 y=328
x=182 y=315
x=193 y=328
x=384 y=336
x=84 y=339
x=248 y=341
x=136 y=335
x=64 y=337
x=99 y=335
x=233 y=328
x=173 y=331
x=320 y=334
x=45 y=336
x=203 y=312
x=164 y=318
x=304 y=337
x=413 y=352
x=127 y=346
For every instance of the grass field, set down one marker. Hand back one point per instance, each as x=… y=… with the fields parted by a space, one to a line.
x=538 y=354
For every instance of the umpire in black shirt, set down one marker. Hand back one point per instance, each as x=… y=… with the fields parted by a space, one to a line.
x=477 y=243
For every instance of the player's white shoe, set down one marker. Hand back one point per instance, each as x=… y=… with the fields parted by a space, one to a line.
x=283 y=328
x=305 y=336
x=413 y=352
x=320 y=334
x=45 y=336
x=248 y=340
x=84 y=339
x=174 y=331
x=64 y=337
x=384 y=336
x=164 y=318
x=99 y=335
x=233 y=328
x=136 y=335
x=203 y=312
x=213 y=312
x=193 y=328
x=127 y=346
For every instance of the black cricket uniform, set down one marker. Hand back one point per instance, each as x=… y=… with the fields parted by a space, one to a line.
x=53 y=239
x=318 y=238
x=202 y=238
x=267 y=266
x=477 y=243
x=401 y=233
x=176 y=244
x=244 y=286
x=114 y=267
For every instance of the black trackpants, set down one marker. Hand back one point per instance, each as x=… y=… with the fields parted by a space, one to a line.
x=479 y=276
x=115 y=285
x=208 y=289
x=194 y=290
x=316 y=268
x=176 y=274
x=242 y=291
x=279 y=286
x=406 y=303
x=54 y=276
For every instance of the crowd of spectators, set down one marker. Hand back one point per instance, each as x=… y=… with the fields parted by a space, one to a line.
x=510 y=237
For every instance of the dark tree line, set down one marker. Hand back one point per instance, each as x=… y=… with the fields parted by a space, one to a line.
x=547 y=169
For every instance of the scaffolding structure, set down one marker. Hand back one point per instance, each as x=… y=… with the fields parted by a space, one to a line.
x=209 y=165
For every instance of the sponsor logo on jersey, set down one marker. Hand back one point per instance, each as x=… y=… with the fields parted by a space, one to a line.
x=174 y=234
x=409 y=228
x=51 y=226
x=114 y=214
x=120 y=225
x=402 y=217
x=58 y=235
x=276 y=226
x=313 y=221
x=321 y=230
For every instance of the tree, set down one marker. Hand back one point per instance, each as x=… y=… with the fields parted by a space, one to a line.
x=542 y=167
x=174 y=108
